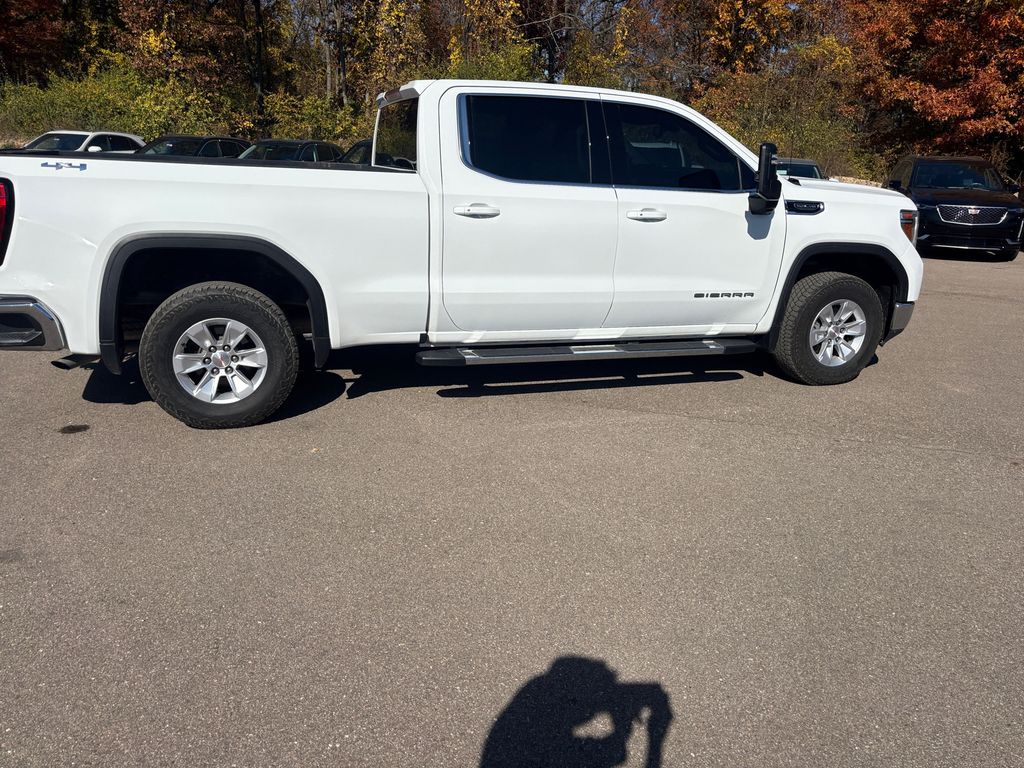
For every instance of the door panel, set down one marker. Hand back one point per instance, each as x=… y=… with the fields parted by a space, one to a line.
x=689 y=251
x=528 y=243
x=668 y=270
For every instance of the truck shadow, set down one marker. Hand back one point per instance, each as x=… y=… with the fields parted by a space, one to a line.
x=579 y=714
x=312 y=390
x=968 y=256
x=381 y=369
x=366 y=371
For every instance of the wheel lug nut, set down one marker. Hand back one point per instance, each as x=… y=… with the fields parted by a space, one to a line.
x=206 y=361
x=213 y=349
x=214 y=371
x=228 y=369
x=227 y=347
x=234 y=358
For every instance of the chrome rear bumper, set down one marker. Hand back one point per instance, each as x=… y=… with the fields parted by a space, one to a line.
x=26 y=323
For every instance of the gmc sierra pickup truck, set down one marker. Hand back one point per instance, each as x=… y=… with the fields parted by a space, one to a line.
x=495 y=222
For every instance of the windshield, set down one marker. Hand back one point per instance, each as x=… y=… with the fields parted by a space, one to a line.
x=180 y=147
x=958 y=175
x=65 y=142
x=803 y=170
x=272 y=152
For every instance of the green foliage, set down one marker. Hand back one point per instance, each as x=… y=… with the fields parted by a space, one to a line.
x=512 y=61
x=313 y=117
x=802 y=103
x=116 y=99
x=852 y=83
x=589 y=64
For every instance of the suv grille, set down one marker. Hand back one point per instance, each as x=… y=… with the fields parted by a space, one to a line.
x=971 y=214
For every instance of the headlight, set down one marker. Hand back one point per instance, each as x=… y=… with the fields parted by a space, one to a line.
x=908 y=223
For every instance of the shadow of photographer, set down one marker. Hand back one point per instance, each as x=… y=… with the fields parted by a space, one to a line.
x=579 y=715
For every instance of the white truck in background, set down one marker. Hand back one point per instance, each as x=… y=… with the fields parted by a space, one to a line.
x=496 y=222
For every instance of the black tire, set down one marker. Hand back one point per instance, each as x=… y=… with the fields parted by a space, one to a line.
x=793 y=351
x=215 y=300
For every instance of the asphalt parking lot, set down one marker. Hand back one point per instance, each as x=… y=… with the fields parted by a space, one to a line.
x=808 y=576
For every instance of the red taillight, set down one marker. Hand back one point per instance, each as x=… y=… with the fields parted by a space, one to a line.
x=6 y=215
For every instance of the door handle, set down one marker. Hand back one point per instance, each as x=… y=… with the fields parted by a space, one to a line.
x=477 y=211
x=646 y=214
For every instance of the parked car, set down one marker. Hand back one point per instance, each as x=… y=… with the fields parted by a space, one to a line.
x=795 y=166
x=557 y=244
x=359 y=153
x=290 y=149
x=196 y=146
x=82 y=141
x=965 y=204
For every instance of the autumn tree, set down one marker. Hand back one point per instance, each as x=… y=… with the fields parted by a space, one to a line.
x=31 y=38
x=943 y=76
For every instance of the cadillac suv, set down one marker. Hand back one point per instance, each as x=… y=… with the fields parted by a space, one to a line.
x=964 y=205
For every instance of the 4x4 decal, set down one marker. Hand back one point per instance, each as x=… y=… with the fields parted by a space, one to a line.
x=62 y=166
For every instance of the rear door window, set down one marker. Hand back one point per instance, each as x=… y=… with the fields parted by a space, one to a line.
x=358 y=153
x=231 y=148
x=102 y=141
x=122 y=144
x=527 y=138
x=210 y=149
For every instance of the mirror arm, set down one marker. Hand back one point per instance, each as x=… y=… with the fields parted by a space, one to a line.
x=769 y=188
x=759 y=204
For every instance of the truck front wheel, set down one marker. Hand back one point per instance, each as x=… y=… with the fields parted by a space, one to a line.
x=217 y=355
x=830 y=328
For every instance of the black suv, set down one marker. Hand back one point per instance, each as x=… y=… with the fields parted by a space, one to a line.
x=964 y=204
x=196 y=146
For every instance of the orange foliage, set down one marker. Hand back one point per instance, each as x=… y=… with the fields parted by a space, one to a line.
x=951 y=73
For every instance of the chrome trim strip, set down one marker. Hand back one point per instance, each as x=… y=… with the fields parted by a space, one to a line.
x=49 y=323
x=970 y=247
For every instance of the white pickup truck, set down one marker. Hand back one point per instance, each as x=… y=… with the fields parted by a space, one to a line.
x=496 y=222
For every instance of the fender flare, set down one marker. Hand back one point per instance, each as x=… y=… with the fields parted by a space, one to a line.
x=111 y=343
x=850 y=249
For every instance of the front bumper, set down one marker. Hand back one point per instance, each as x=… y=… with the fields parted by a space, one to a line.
x=901 y=313
x=27 y=323
x=933 y=232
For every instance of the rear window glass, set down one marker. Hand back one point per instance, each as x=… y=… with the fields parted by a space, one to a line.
x=396 y=135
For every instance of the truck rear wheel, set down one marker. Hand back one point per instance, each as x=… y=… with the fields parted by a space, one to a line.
x=830 y=329
x=218 y=355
